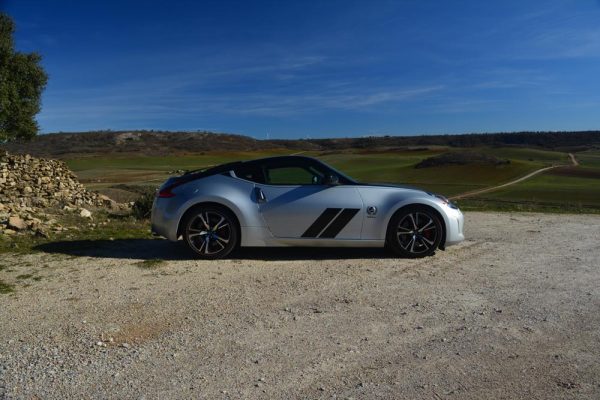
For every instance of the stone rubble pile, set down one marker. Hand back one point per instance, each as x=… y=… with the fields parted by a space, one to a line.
x=29 y=186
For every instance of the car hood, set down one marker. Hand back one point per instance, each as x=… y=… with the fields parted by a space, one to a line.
x=389 y=185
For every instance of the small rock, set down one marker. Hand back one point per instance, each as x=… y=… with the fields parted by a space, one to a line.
x=41 y=233
x=85 y=213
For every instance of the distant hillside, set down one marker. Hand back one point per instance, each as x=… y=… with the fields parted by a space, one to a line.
x=573 y=141
x=156 y=143
x=150 y=143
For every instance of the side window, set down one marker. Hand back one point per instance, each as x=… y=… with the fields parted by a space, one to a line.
x=251 y=173
x=292 y=175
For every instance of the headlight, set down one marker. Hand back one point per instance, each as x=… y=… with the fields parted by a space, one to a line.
x=446 y=201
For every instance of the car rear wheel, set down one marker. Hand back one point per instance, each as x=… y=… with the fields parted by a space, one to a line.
x=210 y=232
x=414 y=232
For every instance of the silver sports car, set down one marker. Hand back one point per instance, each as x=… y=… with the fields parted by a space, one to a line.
x=299 y=201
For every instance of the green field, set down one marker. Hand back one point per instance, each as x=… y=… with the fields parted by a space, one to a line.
x=552 y=191
x=101 y=172
x=547 y=192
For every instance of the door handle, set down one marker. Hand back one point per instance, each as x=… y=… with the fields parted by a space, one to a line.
x=260 y=196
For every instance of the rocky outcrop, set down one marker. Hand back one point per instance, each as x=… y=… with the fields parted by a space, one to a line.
x=29 y=186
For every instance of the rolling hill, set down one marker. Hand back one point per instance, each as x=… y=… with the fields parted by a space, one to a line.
x=160 y=143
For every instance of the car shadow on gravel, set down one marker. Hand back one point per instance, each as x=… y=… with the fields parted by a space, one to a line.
x=148 y=249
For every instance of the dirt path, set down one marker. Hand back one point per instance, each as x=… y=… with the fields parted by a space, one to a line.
x=572 y=158
x=513 y=312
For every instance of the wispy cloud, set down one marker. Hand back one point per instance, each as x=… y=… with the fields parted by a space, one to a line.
x=289 y=86
x=142 y=105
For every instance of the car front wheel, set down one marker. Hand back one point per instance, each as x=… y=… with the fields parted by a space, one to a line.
x=414 y=232
x=210 y=232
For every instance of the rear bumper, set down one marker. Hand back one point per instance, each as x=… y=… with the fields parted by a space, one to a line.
x=164 y=220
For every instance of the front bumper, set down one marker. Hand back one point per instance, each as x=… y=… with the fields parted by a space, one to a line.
x=455 y=224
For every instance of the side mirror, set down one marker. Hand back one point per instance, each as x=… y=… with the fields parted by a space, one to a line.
x=331 y=180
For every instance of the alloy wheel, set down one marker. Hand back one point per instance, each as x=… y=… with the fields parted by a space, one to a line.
x=209 y=233
x=417 y=232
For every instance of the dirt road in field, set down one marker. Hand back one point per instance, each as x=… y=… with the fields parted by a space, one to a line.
x=513 y=312
x=572 y=158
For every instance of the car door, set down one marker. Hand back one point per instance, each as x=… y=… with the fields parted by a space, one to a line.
x=297 y=202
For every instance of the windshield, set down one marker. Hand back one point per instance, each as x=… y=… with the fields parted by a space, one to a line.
x=344 y=179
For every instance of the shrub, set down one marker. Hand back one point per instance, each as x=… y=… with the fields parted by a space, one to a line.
x=461 y=158
x=143 y=206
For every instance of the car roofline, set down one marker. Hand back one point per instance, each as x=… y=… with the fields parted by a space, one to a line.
x=220 y=168
x=230 y=166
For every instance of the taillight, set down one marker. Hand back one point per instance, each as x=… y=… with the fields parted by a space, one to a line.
x=166 y=192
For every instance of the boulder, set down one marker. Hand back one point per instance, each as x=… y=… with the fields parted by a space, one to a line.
x=16 y=223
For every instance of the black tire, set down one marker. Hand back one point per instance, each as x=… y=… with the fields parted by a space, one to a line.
x=210 y=232
x=414 y=232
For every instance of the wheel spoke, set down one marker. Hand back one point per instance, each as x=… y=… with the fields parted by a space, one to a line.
x=424 y=239
x=207 y=241
x=202 y=246
x=218 y=223
x=204 y=220
x=221 y=240
x=413 y=221
x=221 y=227
x=426 y=225
x=408 y=244
x=412 y=247
x=200 y=233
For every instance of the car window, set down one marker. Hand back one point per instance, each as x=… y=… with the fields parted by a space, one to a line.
x=249 y=172
x=292 y=176
x=287 y=171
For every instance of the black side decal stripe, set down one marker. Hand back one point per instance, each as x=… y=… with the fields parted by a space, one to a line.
x=321 y=222
x=339 y=223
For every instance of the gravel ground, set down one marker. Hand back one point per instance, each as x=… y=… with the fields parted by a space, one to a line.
x=513 y=312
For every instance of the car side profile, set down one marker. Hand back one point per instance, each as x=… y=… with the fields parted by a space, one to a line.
x=299 y=201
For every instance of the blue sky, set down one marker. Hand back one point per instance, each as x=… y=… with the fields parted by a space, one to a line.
x=316 y=68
